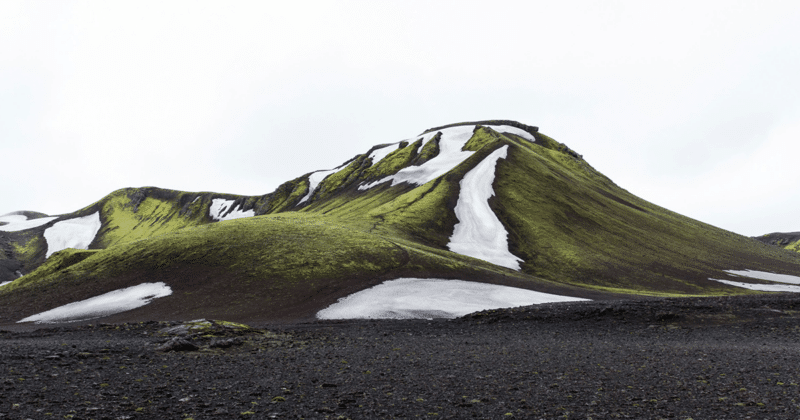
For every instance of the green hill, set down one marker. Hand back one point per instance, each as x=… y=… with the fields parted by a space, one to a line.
x=384 y=214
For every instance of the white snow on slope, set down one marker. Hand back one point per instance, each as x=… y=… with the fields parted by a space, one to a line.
x=315 y=178
x=219 y=206
x=783 y=279
x=75 y=233
x=408 y=298
x=479 y=233
x=513 y=130
x=763 y=275
x=106 y=304
x=762 y=287
x=4 y=283
x=450 y=155
x=17 y=222
x=377 y=155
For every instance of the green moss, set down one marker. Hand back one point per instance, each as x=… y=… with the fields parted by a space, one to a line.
x=794 y=246
x=27 y=250
x=482 y=137
x=429 y=151
x=571 y=224
x=334 y=181
x=393 y=162
x=286 y=196
x=289 y=247
x=129 y=220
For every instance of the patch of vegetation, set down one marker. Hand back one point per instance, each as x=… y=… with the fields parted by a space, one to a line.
x=28 y=249
x=133 y=214
x=429 y=151
x=393 y=162
x=482 y=137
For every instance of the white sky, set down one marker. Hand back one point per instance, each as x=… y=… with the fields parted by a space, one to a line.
x=694 y=106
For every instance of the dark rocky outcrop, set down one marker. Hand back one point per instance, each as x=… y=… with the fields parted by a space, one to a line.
x=779 y=239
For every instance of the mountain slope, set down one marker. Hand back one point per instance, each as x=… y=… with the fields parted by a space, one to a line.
x=388 y=213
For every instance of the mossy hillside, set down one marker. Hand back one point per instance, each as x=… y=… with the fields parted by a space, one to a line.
x=362 y=170
x=260 y=267
x=276 y=255
x=570 y=223
x=429 y=151
x=29 y=248
x=482 y=137
x=393 y=162
x=284 y=198
x=57 y=262
x=422 y=213
x=134 y=214
x=337 y=181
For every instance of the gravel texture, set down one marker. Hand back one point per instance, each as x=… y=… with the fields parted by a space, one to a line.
x=661 y=358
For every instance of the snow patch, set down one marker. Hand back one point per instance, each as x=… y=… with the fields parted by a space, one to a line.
x=377 y=155
x=315 y=178
x=75 y=233
x=18 y=222
x=408 y=298
x=479 y=233
x=763 y=275
x=785 y=279
x=450 y=155
x=106 y=304
x=513 y=130
x=219 y=206
x=4 y=283
x=762 y=287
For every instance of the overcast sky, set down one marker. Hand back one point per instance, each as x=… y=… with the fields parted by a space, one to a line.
x=694 y=106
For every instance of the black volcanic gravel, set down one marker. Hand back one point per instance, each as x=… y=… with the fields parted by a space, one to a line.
x=695 y=358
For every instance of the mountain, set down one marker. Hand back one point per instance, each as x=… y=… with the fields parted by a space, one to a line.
x=495 y=202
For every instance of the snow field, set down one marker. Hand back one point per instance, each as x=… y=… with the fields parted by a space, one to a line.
x=110 y=303
x=219 y=206
x=788 y=283
x=18 y=222
x=409 y=298
x=75 y=233
x=479 y=233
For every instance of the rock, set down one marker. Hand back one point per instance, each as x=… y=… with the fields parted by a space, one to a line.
x=223 y=344
x=177 y=344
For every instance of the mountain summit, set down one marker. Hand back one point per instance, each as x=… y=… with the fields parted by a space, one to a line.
x=495 y=202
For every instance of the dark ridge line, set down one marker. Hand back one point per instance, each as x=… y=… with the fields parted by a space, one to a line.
x=529 y=128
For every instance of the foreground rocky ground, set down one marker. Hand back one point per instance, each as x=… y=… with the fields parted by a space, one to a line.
x=663 y=358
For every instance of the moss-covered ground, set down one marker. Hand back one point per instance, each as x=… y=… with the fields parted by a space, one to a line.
x=260 y=267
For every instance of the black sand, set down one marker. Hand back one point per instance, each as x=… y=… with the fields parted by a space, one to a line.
x=685 y=358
